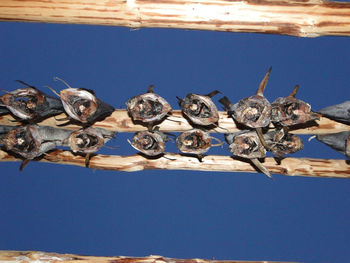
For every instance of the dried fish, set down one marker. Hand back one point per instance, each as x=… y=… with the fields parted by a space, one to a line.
x=31 y=141
x=195 y=142
x=200 y=109
x=30 y=103
x=4 y=110
x=150 y=143
x=148 y=108
x=338 y=141
x=339 y=112
x=281 y=142
x=254 y=111
x=247 y=144
x=4 y=129
x=288 y=111
x=83 y=105
x=88 y=140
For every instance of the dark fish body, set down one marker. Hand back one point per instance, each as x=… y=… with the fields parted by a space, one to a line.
x=339 y=112
x=338 y=141
x=195 y=141
x=4 y=129
x=31 y=104
x=254 y=111
x=83 y=106
x=281 y=143
x=245 y=144
x=4 y=110
x=200 y=109
x=150 y=143
x=32 y=141
x=289 y=111
x=88 y=140
x=148 y=107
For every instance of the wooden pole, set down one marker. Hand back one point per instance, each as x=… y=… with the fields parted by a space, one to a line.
x=120 y=121
x=302 y=18
x=37 y=256
x=289 y=166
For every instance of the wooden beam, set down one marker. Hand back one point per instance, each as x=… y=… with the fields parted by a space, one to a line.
x=302 y=18
x=37 y=256
x=120 y=121
x=289 y=166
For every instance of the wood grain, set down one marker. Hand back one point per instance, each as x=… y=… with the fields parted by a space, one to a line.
x=120 y=121
x=37 y=256
x=289 y=166
x=302 y=18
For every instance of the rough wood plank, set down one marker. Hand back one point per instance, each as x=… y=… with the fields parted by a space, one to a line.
x=290 y=166
x=303 y=18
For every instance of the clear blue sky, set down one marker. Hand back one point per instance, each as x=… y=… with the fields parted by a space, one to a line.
x=183 y=214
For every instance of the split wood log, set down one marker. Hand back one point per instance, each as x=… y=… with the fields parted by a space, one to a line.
x=289 y=166
x=120 y=121
x=37 y=256
x=302 y=18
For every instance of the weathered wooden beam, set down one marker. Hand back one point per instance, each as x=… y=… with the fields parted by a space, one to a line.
x=120 y=121
x=302 y=18
x=37 y=256
x=289 y=166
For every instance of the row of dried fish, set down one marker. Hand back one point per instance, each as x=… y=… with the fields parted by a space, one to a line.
x=31 y=105
x=33 y=141
x=254 y=113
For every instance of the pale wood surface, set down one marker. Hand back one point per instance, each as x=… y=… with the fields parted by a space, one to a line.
x=37 y=256
x=289 y=166
x=120 y=121
x=303 y=18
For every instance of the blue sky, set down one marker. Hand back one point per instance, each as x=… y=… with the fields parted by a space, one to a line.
x=183 y=214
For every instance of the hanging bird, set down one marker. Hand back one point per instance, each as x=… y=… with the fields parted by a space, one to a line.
x=30 y=104
x=289 y=111
x=82 y=105
x=254 y=111
x=200 y=109
x=148 y=108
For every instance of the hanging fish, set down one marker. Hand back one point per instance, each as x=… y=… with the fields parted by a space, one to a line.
x=200 y=109
x=288 y=111
x=4 y=129
x=338 y=141
x=281 y=142
x=88 y=140
x=247 y=144
x=254 y=111
x=150 y=143
x=339 y=112
x=4 y=111
x=30 y=103
x=195 y=142
x=148 y=108
x=83 y=105
x=32 y=141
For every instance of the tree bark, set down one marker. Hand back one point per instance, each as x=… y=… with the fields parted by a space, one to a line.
x=120 y=121
x=302 y=18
